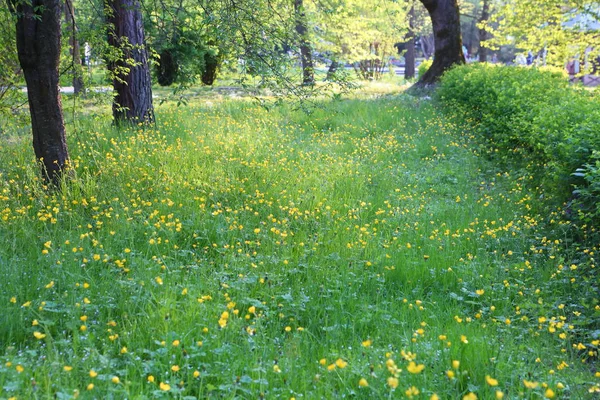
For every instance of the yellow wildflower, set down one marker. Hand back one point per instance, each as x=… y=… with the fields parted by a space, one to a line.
x=413 y=368
x=491 y=381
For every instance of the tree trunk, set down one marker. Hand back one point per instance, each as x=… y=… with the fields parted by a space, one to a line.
x=333 y=67
x=71 y=29
x=485 y=15
x=447 y=38
x=211 y=65
x=38 y=47
x=131 y=75
x=409 y=57
x=167 y=68
x=308 y=71
x=427 y=46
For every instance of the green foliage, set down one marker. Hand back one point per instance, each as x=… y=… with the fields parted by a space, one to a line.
x=11 y=78
x=187 y=41
x=557 y=29
x=424 y=66
x=587 y=202
x=362 y=33
x=529 y=112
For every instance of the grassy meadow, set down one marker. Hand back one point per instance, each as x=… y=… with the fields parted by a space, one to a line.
x=363 y=251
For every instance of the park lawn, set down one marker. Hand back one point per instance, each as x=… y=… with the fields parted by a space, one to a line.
x=364 y=250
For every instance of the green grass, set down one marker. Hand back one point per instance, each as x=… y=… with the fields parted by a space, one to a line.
x=342 y=245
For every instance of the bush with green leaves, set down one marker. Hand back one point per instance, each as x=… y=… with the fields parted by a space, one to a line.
x=534 y=116
x=424 y=66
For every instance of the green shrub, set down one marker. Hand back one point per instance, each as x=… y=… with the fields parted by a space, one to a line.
x=424 y=66
x=535 y=116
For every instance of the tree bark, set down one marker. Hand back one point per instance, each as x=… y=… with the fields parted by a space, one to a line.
x=38 y=47
x=409 y=57
x=308 y=70
x=211 y=65
x=427 y=46
x=333 y=67
x=167 y=68
x=71 y=29
x=483 y=35
x=131 y=74
x=447 y=38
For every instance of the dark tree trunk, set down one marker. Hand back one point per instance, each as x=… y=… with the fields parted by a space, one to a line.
x=409 y=57
x=447 y=38
x=74 y=47
x=38 y=46
x=131 y=74
x=427 y=46
x=333 y=67
x=167 y=68
x=308 y=70
x=211 y=65
x=485 y=15
x=473 y=37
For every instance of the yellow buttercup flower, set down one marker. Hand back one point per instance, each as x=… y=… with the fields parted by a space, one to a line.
x=413 y=368
x=491 y=381
x=39 y=335
x=392 y=382
x=530 y=384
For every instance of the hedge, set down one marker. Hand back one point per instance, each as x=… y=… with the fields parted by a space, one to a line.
x=534 y=115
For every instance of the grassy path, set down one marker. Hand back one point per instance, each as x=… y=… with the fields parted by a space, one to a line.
x=363 y=251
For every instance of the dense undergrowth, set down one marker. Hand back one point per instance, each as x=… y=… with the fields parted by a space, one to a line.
x=366 y=251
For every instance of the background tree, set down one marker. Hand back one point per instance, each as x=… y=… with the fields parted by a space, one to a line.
x=409 y=57
x=445 y=20
x=74 y=48
x=308 y=69
x=38 y=37
x=190 y=40
x=554 y=30
x=11 y=96
x=128 y=62
x=483 y=32
x=360 y=32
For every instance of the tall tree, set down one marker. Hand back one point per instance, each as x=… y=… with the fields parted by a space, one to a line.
x=445 y=20
x=128 y=62
x=360 y=32
x=38 y=47
x=409 y=57
x=483 y=33
x=308 y=70
x=74 y=49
